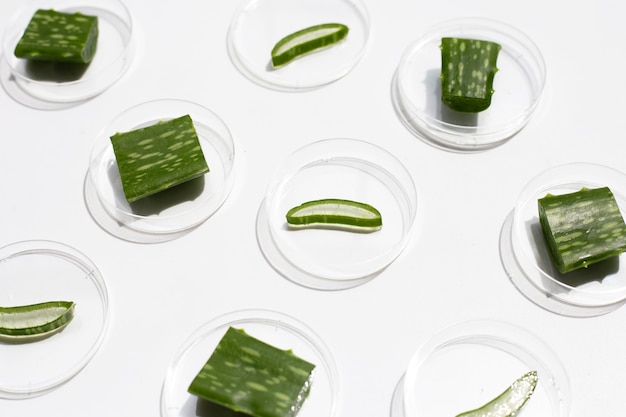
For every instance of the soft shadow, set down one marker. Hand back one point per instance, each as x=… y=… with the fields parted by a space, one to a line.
x=55 y=71
x=205 y=408
x=156 y=203
x=594 y=272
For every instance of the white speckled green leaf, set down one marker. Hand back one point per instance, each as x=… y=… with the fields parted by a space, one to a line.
x=157 y=157
x=253 y=377
x=468 y=68
x=582 y=228
x=57 y=36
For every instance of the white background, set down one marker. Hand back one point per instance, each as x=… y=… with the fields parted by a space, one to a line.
x=451 y=269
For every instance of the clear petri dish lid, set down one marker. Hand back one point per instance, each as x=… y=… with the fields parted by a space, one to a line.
x=518 y=85
x=37 y=83
x=259 y=24
x=277 y=329
x=348 y=169
x=38 y=271
x=468 y=364
x=169 y=213
x=597 y=289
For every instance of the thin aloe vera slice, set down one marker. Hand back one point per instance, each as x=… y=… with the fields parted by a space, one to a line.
x=468 y=68
x=34 y=320
x=250 y=376
x=58 y=36
x=307 y=40
x=335 y=213
x=158 y=157
x=509 y=403
x=582 y=228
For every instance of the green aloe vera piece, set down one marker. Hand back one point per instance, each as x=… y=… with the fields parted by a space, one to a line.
x=157 y=157
x=247 y=375
x=582 y=228
x=35 y=320
x=468 y=68
x=58 y=36
x=336 y=214
x=509 y=403
x=307 y=40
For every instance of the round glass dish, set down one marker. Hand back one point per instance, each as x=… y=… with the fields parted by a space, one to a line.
x=166 y=214
x=589 y=291
x=63 y=83
x=347 y=169
x=276 y=329
x=518 y=85
x=259 y=24
x=39 y=271
x=468 y=364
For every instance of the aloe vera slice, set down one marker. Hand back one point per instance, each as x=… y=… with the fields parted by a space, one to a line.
x=510 y=401
x=250 y=376
x=61 y=37
x=582 y=228
x=335 y=213
x=307 y=40
x=158 y=157
x=468 y=68
x=35 y=319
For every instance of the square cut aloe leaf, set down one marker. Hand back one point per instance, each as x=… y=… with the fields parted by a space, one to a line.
x=157 y=157
x=250 y=376
x=60 y=37
x=582 y=228
x=468 y=68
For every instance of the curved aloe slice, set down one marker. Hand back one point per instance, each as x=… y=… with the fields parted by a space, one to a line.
x=307 y=40
x=510 y=401
x=335 y=213
x=35 y=320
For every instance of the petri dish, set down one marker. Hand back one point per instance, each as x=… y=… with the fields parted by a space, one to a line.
x=63 y=83
x=518 y=85
x=259 y=24
x=468 y=364
x=597 y=289
x=277 y=329
x=169 y=213
x=349 y=169
x=37 y=271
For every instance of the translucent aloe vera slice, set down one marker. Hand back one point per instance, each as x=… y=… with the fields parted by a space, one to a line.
x=35 y=320
x=247 y=375
x=61 y=37
x=158 y=157
x=582 y=228
x=468 y=68
x=335 y=213
x=509 y=403
x=307 y=40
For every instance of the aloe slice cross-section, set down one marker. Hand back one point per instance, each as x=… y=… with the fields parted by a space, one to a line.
x=509 y=403
x=157 y=157
x=57 y=36
x=307 y=40
x=250 y=376
x=468 y=68
x=335 y=213
x=582 y=228
x=32 y=320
